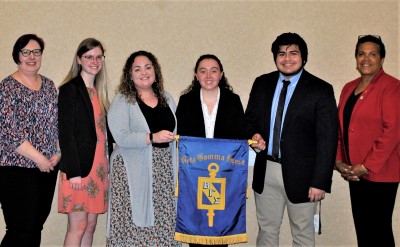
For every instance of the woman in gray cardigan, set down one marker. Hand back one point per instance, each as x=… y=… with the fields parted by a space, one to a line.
x=142 y=208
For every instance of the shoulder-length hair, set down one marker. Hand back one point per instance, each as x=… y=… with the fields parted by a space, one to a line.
x=195 y=85
x=127 y=86
x=101 y=79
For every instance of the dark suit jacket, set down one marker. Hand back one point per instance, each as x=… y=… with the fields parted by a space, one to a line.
x=77 y=130
x=229 y=123
x=309 y=134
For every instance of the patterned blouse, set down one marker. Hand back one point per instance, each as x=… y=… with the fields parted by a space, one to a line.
x=30 y=115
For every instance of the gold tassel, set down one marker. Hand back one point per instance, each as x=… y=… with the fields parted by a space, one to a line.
x=176 y=188
x=250 y=142
x=177 y=166
x=193 y=239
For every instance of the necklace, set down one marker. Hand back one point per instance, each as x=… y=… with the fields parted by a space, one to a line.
x=90 y=92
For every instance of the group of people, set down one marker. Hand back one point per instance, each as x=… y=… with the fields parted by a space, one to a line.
x=120 y=158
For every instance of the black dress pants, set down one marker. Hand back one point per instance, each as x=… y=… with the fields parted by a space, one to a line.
x=26 y=195
x=372 y=204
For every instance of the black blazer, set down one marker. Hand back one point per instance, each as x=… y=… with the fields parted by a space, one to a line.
x=77 y=130
x=229 y=123
x=309 y=134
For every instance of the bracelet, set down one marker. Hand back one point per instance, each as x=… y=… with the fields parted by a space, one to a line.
x=366 y=171
x=58 y=151
x=151 y=137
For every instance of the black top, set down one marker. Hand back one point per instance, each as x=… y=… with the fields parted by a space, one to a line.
x=347 y=111
x=229 y=122
x=158 y=118
x=77 y=129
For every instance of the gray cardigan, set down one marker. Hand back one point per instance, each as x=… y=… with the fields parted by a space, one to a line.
x=129 y=128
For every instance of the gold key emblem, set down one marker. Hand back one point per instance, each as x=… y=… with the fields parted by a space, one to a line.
x=208 y=187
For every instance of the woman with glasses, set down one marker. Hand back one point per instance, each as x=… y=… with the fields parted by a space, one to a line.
x=83 y=180
x=29 y=150
x=369 y=143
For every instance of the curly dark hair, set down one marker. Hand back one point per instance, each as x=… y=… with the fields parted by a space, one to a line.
x=195 y=85
x=127 y=87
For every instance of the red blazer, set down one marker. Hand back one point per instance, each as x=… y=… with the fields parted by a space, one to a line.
x=374 y=128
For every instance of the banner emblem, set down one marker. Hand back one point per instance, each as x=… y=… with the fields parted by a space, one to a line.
x=212 y=190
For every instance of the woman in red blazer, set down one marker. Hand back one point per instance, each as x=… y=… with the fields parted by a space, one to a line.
x=368 y=153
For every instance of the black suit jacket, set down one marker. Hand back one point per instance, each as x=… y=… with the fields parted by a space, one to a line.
x=308 y=137
x=229 y=123
x=77 y=130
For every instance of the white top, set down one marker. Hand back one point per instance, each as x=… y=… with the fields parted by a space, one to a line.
x=209 y=119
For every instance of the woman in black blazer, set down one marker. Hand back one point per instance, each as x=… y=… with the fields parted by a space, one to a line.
x=83 y=105
x=208 y=107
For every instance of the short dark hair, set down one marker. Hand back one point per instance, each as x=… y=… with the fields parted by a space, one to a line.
x=22 y=42
x=374 y=39
x=290 y=39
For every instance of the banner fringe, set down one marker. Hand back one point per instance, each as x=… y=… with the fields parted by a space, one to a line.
x=207 y=240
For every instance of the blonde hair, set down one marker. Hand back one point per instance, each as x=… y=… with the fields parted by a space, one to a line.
x=101 y=79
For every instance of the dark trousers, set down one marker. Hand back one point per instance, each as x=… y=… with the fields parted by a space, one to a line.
x=26 y=195
x=372 y=205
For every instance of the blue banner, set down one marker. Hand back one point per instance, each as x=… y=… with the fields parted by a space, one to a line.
x=212 y=187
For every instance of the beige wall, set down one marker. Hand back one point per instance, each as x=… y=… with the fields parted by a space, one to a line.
x=239 y=32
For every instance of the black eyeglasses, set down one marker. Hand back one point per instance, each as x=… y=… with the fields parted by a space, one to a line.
x=375 y=36
x=26 y=52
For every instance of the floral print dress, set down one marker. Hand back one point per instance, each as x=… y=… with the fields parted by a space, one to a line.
x=92 y=198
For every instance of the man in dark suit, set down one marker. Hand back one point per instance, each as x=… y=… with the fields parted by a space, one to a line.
x=296 y=133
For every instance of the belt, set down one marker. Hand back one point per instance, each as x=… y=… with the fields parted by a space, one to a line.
x=277 y=160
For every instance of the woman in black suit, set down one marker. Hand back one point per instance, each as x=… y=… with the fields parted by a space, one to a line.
x=208 y=107
x=83 y=104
